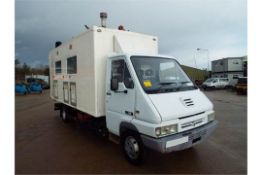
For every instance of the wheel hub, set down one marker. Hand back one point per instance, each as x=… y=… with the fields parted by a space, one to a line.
x=64 y=114
x=131 y=147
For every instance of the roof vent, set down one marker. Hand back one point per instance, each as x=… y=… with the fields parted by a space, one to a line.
x=103 y=17
x=58 y=43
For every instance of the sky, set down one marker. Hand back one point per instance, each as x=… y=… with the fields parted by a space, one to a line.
x=218 y=27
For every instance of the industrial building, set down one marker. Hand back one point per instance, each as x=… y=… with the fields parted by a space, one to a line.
x=230 y=67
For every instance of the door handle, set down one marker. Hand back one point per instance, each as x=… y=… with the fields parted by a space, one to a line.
x=124 y=91
x=108 y=93
x=129 y=113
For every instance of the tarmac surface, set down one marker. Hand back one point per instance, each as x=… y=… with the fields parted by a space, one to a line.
x=46 y=145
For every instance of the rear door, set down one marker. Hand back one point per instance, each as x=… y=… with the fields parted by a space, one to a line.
x=120 y=104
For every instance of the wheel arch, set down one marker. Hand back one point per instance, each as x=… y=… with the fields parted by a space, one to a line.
x=125 y=126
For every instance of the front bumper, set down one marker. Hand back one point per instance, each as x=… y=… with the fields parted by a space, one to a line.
x=180 y=141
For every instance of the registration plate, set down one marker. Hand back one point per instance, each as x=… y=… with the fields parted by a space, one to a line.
x=176 y=142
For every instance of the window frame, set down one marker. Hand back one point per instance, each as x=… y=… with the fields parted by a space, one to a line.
x=123 y=75
x=67 y=65
x=56 y=68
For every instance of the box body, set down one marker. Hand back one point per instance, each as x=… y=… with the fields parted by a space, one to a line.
x=78 y=67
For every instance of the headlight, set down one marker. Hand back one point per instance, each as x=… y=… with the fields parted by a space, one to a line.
x=211 y=117
x=166 y=130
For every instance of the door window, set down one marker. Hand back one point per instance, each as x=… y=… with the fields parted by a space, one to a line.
x=127 y=78
x=121 y=73
x=118 y=70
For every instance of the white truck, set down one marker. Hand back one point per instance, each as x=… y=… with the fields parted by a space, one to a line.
x=117 y=81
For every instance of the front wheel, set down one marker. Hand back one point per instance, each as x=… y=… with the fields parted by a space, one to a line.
x=133 y=148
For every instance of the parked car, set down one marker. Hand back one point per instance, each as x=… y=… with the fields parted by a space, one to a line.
x=241 y=86
x=21 y=88
x=213 y=83
x=44 y=84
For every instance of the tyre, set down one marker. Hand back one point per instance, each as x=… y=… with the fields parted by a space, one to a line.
x=133 y=148
x=64 y=114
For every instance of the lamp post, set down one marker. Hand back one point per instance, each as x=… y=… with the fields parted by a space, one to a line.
x=206 y=50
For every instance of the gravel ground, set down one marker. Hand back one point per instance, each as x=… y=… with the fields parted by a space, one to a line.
x=44 y=144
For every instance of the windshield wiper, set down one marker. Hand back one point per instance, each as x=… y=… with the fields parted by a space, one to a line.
x=164 y=83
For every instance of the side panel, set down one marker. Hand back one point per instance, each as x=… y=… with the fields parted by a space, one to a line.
x=73 y=94
x=235 y=64
x=80 y=91
x=55 y=88
x=103 y=46
x=66 y=92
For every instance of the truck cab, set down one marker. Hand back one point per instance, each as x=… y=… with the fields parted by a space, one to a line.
x=151 y=102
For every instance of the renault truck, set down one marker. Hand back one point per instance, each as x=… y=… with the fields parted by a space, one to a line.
x=116 y=81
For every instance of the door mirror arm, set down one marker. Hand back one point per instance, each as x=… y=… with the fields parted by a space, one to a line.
x=114 y=84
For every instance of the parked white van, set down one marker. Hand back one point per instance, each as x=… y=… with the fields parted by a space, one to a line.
x=215 y=83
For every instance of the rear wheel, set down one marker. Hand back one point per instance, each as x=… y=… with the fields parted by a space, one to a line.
x=64 y=114
x=133 y=148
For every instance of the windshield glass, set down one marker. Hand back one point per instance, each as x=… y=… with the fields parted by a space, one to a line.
x=160 y=75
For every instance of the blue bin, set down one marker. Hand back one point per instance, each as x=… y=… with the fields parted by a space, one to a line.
x=36 y=87
x=21 y=89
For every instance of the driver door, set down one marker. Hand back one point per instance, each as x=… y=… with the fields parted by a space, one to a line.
x=120 y=103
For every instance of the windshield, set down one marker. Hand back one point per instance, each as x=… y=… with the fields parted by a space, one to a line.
x=160 y=75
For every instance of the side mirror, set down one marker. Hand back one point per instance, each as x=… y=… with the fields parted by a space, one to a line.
x=114 y=84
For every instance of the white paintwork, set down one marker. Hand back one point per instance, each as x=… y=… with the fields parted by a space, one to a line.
x=176 y=142
x=155 y=110
x=118 y=103
x=92 y=82
x=170 y=105
x=92 y=48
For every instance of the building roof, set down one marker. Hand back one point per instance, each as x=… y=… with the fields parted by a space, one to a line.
x=227 y=58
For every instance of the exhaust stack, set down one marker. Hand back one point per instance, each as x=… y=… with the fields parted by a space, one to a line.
x=103 y=17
